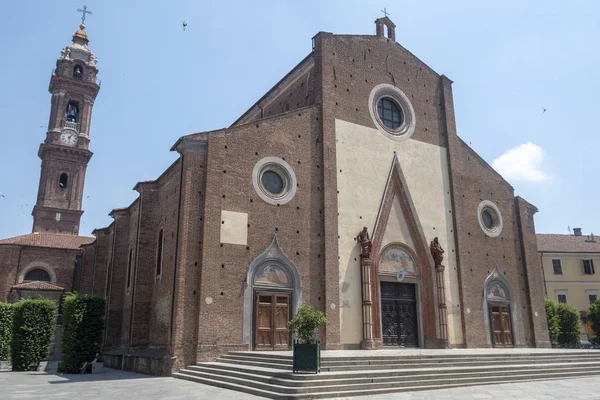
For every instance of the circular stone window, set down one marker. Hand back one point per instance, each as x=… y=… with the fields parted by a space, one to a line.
x=392 y=112
x=274 y=180
x=490 y=219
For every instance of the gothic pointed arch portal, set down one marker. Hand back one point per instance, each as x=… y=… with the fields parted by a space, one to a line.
x=272 y=294
x=422 y=281
x=499 y=313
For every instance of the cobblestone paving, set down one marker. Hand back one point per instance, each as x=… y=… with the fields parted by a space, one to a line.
x=130 y=386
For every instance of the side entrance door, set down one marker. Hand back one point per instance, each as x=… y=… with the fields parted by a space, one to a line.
x=272 y=313
x=399 y=314
x=501 y=326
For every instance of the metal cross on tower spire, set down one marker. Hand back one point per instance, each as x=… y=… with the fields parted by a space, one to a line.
x=83 y=12
x=385 y=13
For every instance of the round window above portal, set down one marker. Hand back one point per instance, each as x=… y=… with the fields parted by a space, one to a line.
x=490 y=219
x=392 y=112
x=274 y=180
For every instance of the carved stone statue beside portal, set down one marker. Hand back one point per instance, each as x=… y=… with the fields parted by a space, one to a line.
x=365 y=243
x=437 y=253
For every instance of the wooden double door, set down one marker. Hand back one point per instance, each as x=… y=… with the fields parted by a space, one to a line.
x=500 y=322
x=399 y=326
x=272 y=313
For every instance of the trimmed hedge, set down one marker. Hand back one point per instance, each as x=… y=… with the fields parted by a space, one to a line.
x=33 y=330
x=594 y=317
x=568 y=319
x=83 y=324
x=553 y=323
x=5 y=330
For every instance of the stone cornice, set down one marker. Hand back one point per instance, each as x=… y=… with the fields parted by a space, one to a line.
x=70 y=151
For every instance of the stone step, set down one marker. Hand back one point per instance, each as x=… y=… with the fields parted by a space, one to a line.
x=451 y=354
x=396 y=364
x=398 y=359
x=405 y=372
x=325 y=380
x=273 y=391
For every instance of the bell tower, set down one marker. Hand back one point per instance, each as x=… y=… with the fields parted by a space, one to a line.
x=64 y=152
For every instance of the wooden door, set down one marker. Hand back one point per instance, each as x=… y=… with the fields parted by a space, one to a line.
x=501 y=326
x=272 y=316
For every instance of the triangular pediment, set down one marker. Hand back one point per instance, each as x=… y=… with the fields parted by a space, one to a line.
x=397 y=220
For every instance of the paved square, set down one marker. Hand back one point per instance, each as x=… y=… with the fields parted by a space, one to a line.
x=116 y=384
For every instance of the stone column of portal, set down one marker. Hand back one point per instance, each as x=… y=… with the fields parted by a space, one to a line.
x=442 y=314
x=367 y=303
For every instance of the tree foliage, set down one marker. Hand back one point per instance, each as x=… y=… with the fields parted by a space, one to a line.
x=83 y=324
x=568 y=319
x=32 y=333
x=5 y=330
x=306 y=323
x=553 y=322
x=594 y=317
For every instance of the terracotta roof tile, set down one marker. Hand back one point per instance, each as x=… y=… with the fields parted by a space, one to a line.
x=37 y=286
x=567 y=243
x=46 y=239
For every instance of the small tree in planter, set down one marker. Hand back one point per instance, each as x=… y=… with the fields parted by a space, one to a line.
x=307 y=350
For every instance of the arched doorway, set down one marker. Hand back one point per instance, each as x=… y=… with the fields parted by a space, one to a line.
x=399 y=295
x=272 y=294
x=498 y=303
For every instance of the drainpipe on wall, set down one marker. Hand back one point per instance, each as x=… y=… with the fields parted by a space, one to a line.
x=543 y=274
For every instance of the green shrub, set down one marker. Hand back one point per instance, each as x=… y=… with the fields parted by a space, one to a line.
x=594 y=317
x=553 y=323
x=33 y=330
x=568 y=318
x=306 y=323
x=5 y=330
x=83 y=324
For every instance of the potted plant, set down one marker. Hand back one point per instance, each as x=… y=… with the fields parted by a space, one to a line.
x=307 y=350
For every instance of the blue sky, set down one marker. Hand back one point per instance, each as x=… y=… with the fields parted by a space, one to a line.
x=508 y=59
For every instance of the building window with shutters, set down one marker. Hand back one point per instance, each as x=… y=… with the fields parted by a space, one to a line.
x=588 y=267
x=561 y=296
x=592 y=296
x=557 y=267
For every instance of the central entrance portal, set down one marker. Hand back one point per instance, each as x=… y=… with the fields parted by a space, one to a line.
x=399 y=314
x=272 y=316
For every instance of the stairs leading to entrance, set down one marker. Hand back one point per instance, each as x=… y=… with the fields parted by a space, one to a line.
x=367 y=372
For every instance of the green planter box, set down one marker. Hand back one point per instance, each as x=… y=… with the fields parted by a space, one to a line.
x=307 y=357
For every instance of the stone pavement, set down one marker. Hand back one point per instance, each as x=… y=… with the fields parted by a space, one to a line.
x=116 y=384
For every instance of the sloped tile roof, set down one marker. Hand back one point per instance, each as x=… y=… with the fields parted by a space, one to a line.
x=567 y=243
x=37 y=285
x=47 y=239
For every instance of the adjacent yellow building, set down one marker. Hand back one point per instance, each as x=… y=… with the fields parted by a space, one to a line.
x=568 y=269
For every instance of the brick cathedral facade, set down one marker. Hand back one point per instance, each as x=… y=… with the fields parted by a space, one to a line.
x=253 y=220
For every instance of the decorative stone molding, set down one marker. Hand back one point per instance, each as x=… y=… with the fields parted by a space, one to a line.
x=408 y=124
x=37 y=265
x=272 y=253
x=494 y=211
x=286 y=173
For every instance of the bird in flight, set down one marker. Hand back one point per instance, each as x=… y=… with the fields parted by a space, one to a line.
x=184 y=24
x=543 y=110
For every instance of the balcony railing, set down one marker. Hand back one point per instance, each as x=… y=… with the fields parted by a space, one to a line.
x=71 y=125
